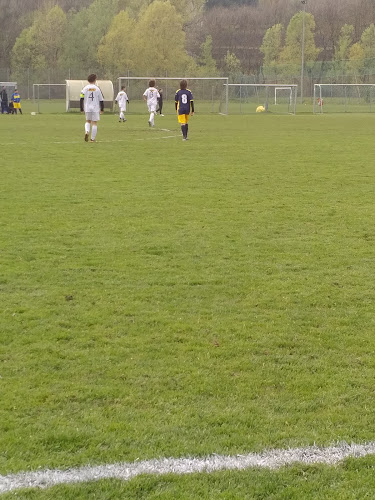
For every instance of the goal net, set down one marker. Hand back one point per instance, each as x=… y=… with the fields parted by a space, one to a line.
x=344 y=98
x=207 y=93
x=246 y=97
x=61 y=97
x=49 y=97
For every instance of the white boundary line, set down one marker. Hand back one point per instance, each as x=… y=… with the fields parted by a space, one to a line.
x=272 y=459
x=119 y=140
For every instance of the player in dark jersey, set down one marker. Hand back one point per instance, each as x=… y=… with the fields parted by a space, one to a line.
x=184 y=106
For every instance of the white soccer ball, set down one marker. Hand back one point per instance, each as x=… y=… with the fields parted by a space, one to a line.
x=260 y=109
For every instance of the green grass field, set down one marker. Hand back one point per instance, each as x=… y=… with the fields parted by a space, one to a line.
x=163 y=298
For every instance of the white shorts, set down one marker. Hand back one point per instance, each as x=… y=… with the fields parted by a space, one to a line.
x=152 y=108
x=123 y=110
x=94 y=116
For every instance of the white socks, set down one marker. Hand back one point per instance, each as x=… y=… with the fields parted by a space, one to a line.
x=87 y=128
x=122 y=116
x=152 y=118
x=94 y=131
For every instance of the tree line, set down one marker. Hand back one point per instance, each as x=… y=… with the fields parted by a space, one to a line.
x=196 y=37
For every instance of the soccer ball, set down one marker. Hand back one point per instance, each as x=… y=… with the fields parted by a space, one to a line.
x=260 y=109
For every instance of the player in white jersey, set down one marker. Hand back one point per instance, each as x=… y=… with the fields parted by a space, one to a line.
x=151 y=95
x=92 y=103
x=121 y=100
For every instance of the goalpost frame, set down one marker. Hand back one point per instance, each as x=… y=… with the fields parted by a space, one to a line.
x=268 y=86
x=318 y=92
x=38 y=85
x=284 y=88
x=221 y=78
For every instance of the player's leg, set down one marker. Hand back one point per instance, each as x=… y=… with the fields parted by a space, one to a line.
x=94 y=130
x=151 y=121
x=20 y=110
x=87 y=129
x=186 y=126
x=181 y=121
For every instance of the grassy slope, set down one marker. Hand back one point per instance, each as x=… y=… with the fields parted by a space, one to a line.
x=169 y=298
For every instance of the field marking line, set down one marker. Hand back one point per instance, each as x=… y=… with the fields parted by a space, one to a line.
x=269 y=459
x=119 y=140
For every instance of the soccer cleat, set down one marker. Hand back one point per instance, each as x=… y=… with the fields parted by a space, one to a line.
x=184 y=138
x=161 y=115
x=86 y=137
x=92 y=140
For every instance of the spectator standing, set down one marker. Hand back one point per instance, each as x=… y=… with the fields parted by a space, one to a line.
x=16 y=99
x=160 y=103
x=4 y=101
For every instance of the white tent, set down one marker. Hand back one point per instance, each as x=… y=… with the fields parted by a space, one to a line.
x=73 y=93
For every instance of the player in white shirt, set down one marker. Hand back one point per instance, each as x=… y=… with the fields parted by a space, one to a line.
x=92 y=103
x=121 y=100
x=151 y=95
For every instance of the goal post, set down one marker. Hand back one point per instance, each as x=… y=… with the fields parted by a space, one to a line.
x=48 y=97
x=284 y=91
x=244 y=98
x=207 y=92
x=344 y=98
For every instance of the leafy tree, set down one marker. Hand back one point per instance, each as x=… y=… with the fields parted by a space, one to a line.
x=85 y=31
x=292 y=51
x=344 y=42
x=356 y=58
x=116 y=48
x=368 y=46
x=271 y=46
x=40 y=45
x=232 y=64
x=51 y=35
x=207 y=64
x=160 y=40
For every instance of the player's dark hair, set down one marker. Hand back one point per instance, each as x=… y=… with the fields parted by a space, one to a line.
x=183 y=84
x=91 y=78
x=123 y=87
x=151 y=83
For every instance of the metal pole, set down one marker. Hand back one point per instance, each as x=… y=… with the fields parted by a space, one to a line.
x=227 y=97
x=303 y=46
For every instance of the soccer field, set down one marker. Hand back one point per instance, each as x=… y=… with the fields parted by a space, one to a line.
x=163 y=298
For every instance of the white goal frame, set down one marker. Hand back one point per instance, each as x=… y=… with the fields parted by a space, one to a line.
x=267 y=86
x=177 y=78
x=319 y=97
x=284 y=88
x=36 y=94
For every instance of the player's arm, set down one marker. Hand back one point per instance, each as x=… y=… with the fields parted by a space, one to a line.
x=176 y=100
x=81 y=101
x=192 y=106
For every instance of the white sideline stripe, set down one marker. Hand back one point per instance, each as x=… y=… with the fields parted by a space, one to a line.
x=271 y=459
x=119 y=140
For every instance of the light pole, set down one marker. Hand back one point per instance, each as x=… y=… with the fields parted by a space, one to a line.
x=303 y=2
